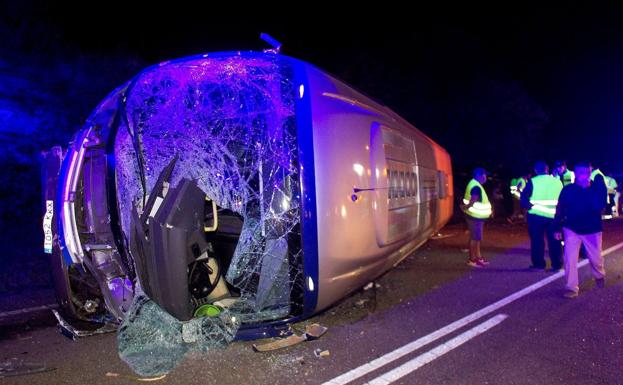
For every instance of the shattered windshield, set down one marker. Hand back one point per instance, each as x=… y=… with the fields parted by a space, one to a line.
x=231 y=123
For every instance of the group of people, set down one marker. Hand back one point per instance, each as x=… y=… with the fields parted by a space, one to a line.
x=565 y=205
x=566 y=176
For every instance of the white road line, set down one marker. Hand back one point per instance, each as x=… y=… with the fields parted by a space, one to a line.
x=423 y=359
x=28 y=310
x=610 y=250
x=414 y=345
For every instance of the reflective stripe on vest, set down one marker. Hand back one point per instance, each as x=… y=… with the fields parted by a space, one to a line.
x=545 y=192
x=482 y=209
x=479 y=209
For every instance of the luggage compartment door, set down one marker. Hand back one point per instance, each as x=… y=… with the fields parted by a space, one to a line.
x=395 y=184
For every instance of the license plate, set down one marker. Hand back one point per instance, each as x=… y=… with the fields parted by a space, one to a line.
x=47 y=226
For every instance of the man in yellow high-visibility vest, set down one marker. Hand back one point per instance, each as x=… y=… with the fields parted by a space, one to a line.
x=517 y=186
x=477 y=209
x=612 y=206
x=540 y=197
x=560 y=170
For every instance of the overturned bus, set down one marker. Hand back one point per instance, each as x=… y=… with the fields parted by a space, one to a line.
x=253 y=183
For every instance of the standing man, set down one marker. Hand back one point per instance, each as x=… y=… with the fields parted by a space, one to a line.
x=477 y=209
x=579 y=214
x=597 y=176
x=556 y=171
x=540 y=197
x=517 y=186
x=566 y=176
x=611 y=207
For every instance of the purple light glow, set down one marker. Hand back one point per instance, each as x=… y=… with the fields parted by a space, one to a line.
x=231 y=122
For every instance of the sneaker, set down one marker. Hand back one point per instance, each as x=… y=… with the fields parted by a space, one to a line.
x=600 y=283
x=483 y=261
x=464 y=250
x=570 y=294
x=475 y=263
x=554 y=269
x=536 y=268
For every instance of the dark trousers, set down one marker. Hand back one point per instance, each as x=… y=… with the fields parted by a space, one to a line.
x=540 y=228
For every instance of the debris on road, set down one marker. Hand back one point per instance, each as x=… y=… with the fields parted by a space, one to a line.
x=361 y=302
x=442 y=236
x=371 y=285
x=17 y=367
x=312 y=332
x=321 y=353
x=135 y=378
x=72 y=333
x=280 y=343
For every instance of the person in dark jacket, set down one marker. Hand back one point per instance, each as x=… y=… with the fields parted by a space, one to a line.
x=578 y=213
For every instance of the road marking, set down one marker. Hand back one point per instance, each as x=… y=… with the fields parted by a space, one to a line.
x=28 y=310
x=423 y=359
x=414 y=345
x=608 y=250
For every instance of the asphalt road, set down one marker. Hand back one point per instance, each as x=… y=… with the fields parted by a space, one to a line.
x=432 y=320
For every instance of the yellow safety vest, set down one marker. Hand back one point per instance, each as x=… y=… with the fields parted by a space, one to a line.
x=568 y=177
x=480 y=210
x=518 y=188
x=545 y=192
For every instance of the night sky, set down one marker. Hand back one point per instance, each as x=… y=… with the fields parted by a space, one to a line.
x=537 y=82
